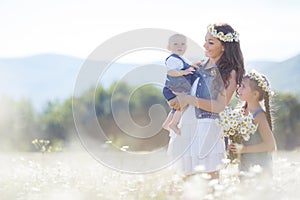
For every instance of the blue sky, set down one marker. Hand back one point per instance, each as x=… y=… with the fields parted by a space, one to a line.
x=269 y=29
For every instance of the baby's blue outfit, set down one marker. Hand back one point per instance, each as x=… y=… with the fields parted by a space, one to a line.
x=179 y=83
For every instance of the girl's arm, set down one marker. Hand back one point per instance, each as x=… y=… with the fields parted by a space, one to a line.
x=210 y=105
x=268 y=141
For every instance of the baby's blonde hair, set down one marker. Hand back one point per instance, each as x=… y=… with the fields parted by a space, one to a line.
x=171 y=38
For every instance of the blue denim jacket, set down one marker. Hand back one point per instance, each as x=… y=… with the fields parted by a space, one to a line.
x=205 y=89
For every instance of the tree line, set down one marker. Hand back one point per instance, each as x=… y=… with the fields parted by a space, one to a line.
x=20 y=123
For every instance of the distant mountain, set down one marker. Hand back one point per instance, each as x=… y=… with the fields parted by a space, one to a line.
x=49 y=77
x=284 y=76
x=40 y=78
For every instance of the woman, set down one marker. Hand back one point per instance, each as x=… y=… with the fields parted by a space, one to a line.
x=200 y=145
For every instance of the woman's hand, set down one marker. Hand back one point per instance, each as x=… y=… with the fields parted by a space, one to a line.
x=182 y=99
x=174 y=103
x=236 y=148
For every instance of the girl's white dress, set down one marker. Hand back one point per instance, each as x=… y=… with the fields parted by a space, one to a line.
x=200 y=147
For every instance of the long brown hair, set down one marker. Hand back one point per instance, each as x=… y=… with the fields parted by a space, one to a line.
x=232 y=58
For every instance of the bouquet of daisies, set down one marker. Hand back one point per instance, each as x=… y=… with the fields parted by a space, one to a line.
x=236 y=126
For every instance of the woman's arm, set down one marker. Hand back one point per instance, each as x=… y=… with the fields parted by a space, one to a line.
x=215 y=106
x=268 y=141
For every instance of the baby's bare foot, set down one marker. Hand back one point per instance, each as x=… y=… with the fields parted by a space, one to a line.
x=166 y=126
x=174 y=128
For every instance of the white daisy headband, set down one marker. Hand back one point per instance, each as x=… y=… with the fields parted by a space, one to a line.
x=262 y=81
x=229 y=37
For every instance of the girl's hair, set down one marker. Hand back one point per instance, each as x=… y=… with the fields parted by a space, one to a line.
x=232 y=58
x=263 y=95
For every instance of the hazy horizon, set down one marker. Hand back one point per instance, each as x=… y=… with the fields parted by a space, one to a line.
x=43 y=77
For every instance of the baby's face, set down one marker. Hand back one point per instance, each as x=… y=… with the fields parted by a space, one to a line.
x=177 y=45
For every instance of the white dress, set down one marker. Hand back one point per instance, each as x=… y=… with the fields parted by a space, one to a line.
x=200 y=147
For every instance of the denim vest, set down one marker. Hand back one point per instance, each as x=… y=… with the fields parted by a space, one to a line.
x=205 y=89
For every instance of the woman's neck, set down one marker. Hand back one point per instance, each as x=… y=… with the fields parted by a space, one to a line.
x=211 y=63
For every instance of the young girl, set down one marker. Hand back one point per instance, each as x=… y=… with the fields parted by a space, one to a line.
x=256 y=151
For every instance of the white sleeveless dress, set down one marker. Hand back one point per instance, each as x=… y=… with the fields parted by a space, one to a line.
x=200 y=147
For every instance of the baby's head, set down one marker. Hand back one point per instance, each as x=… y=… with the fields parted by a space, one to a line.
x=177 y=44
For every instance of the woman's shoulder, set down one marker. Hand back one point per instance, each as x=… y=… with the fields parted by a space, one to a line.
x=232 y=83
x=233 y=74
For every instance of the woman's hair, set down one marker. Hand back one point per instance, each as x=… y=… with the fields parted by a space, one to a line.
x=232 y=58
x=263 y=95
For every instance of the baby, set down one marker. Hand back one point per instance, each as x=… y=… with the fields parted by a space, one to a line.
x=179 y=73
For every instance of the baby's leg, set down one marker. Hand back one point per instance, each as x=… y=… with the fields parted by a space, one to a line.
x=175 y=121
x=167 y=122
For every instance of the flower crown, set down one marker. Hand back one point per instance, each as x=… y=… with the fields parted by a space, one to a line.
x=229 y=37
x=262 y=81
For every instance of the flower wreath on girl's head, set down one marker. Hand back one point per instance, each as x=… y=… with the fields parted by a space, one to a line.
x=261 y=80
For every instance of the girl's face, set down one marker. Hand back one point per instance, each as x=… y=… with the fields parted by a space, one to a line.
x=213 y=47
x=245 y=92
x=178 y=46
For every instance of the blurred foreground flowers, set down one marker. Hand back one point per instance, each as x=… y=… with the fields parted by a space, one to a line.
x=42 y=145
x=76 y=176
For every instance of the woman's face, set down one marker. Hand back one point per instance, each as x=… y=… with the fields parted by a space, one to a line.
x=213 y=47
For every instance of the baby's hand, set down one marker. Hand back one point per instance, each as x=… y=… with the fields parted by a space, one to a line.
x=187 y=71
x=191 y=69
